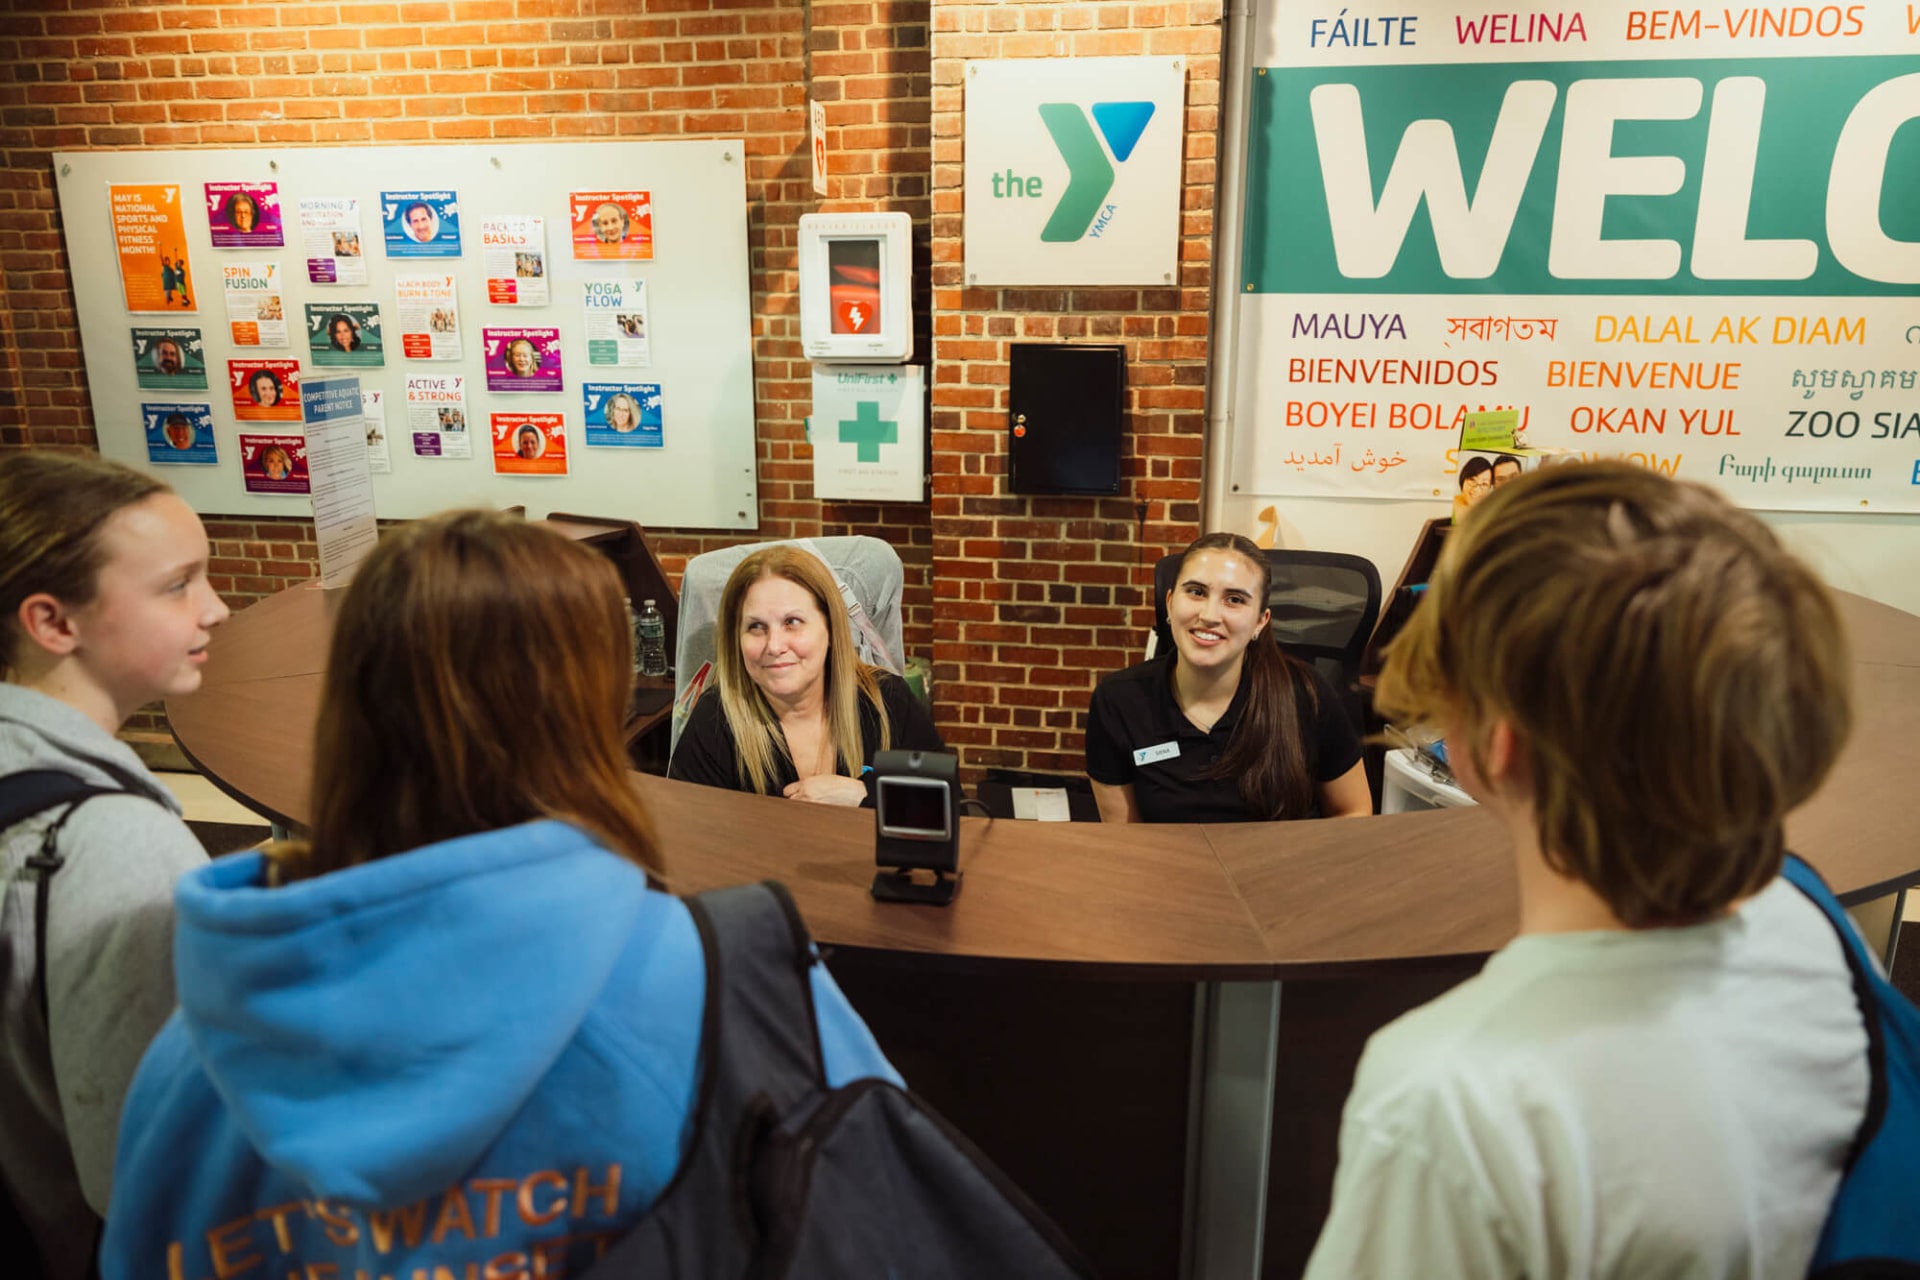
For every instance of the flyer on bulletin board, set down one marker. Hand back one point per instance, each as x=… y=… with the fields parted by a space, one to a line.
x=256 y=313
x=373 y=408
x=330 y=235
x=274 y=464
x=179 y=434
x=150 y=243
x=611 y=225
x=623 y=414
x=513 y=252
x=265 y=390
x=437 y=415
x=523 y=359
x=529 y=444
x=169 y=360
x=429 y=310
x=420 y=224
x=345 y=335
x=245 y=215
x=617 y=323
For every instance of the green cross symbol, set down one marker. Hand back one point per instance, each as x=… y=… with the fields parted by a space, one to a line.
x=868 y=430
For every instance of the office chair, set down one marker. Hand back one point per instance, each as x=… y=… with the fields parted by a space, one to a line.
x=867 y=569
x=1324 y=606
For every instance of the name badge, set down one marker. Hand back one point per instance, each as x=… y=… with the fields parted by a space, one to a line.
x=1165 y=751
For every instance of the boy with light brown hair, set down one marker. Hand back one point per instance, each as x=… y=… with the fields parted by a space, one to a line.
x=1662 y=1074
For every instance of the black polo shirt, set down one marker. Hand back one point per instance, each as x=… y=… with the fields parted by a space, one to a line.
x=1136 y=734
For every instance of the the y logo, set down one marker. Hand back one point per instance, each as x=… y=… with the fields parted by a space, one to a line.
x=1089 y=176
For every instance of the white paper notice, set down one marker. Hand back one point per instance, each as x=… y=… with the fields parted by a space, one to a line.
x=256 y=314
x=342 y=485
x=373 y=407
x=429 y=312
x=617 y=323
x=437 y=416
x=330 y=235
x=1040 y=804
x=513 y=252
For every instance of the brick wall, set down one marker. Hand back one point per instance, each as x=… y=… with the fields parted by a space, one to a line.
x=84 y=75
x=1035 y=595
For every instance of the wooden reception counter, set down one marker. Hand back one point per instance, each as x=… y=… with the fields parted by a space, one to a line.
x=1101 y=1007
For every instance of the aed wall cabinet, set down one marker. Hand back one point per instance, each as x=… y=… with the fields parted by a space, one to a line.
x=856 y=282
x=1066 y=403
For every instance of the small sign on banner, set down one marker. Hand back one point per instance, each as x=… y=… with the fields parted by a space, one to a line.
x=869 y=432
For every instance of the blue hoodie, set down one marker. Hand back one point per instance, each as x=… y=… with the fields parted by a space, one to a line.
x=481 y=1056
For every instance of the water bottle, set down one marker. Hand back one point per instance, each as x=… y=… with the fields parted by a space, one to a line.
x=651 y=633
x=633 y=631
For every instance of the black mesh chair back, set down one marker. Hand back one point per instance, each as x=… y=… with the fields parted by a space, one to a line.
x=1324 y=606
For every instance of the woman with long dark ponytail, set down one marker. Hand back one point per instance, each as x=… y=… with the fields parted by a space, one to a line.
x=1226 y=727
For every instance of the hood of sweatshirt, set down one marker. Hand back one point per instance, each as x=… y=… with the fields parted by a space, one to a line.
x=373 y=1031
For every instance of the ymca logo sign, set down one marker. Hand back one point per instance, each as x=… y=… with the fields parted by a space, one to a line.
x=1082 y=209
x=1091 y=196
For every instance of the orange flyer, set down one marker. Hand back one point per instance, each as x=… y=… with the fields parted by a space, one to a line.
x=529 y=444
x=150 y=239
x=611 y=225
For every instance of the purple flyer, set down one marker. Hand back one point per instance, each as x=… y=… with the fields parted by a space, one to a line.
x=244 y=215
x=522 y=359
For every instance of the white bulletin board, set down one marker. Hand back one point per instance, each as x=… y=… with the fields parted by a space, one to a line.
x=698 y=303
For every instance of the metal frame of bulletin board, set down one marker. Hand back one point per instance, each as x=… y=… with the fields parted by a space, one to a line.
x=698 y=320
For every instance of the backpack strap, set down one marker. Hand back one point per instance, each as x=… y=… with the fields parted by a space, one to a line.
x=759 y=1024
x=1866 y=984
x=22 y=795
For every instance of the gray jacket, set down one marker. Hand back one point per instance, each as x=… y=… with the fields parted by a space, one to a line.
x=109 y=969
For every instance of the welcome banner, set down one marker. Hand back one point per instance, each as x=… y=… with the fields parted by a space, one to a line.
x=1690 y=238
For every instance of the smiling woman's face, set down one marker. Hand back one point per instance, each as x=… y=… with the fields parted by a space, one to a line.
x=783 y=638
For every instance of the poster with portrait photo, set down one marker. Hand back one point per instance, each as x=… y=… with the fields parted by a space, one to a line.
x=150 y=244
x=429 y=310
x=373 y=409
x=179 y=434
x=169 y=360
x=522 y=359
x=420 y=224
x=330 y=236
x=529 y=444
x=513 y=252
x=611 y=225
x=274 y=464
x=256 y=310
x=345 y=335
x=437 y=415
x=245 y=215
x=265 y=390
x=617 y=323
x=624 y=415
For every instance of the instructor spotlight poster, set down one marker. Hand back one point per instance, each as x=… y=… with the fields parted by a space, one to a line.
x=611 y=225
x=179 y=434
x=244 y=215
x=529 y=444
x=420 y=224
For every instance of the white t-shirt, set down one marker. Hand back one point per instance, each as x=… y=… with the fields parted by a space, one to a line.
x=1665 y=1102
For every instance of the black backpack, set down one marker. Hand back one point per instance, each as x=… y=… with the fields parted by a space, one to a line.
x=787 y=1177
x=22 y=795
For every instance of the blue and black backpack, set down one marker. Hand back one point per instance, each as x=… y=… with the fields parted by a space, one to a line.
x=1873 y=1228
